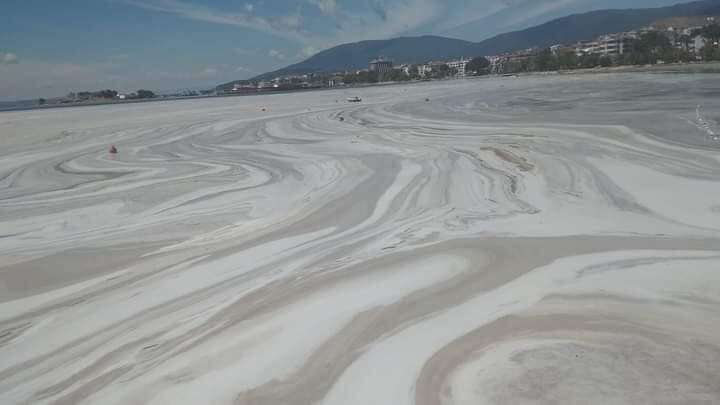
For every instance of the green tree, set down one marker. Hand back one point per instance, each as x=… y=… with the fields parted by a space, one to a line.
x=395 y=75
x=653 y=41
x=685 y=40
x=651 y=47
x=710 y=52
x=478 y=66
x=567 y=60
x=589 y=60
x=363 y=76
x=142 y=93
x=372 y=77
x=106 y=94
x=440 y=71
x=711 y=32
x=545 y=61
x=414 y=72
x=517 y=65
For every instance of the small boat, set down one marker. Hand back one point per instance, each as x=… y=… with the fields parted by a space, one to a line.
x=113 y=150
x=355 y=99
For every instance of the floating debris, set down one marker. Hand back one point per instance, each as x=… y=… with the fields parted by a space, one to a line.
x=705 y=126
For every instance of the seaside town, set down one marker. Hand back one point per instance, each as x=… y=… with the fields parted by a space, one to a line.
x=672 y=40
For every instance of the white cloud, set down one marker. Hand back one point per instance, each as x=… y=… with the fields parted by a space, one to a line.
x=536 y=9
x=370 y=19
x=8 y=58
x=274 y=53
x=382 y=19
x=308 y=51
x=283 y=26
x=210 y=71
x=385 y=18
x=293 y=22
x=327 y=7
x=367 y=19
x=242 y=69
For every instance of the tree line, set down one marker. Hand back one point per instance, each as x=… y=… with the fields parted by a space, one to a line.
x=108 y=94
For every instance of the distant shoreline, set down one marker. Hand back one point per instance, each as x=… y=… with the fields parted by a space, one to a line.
x=159 y=99
x=660 y=68
x=124 y=102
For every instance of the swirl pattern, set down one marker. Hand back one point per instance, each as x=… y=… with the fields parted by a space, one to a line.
x=533 y=240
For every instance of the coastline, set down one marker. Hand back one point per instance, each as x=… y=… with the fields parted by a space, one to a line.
x=669 y=68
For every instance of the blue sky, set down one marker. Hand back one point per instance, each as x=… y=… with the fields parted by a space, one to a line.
x=51 y=47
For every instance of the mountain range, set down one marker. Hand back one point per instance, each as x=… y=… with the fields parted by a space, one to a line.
x=570 y=29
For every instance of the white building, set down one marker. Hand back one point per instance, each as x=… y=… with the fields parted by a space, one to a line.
x=381 y=65
x=697 y=44
x=459 y=65
x=336 y=81
x=424 y=69
x=427 y=69
x=496 y=63
x=612 y=44
x=404 y=68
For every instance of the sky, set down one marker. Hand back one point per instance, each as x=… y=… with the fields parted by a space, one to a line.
x=51 y=47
